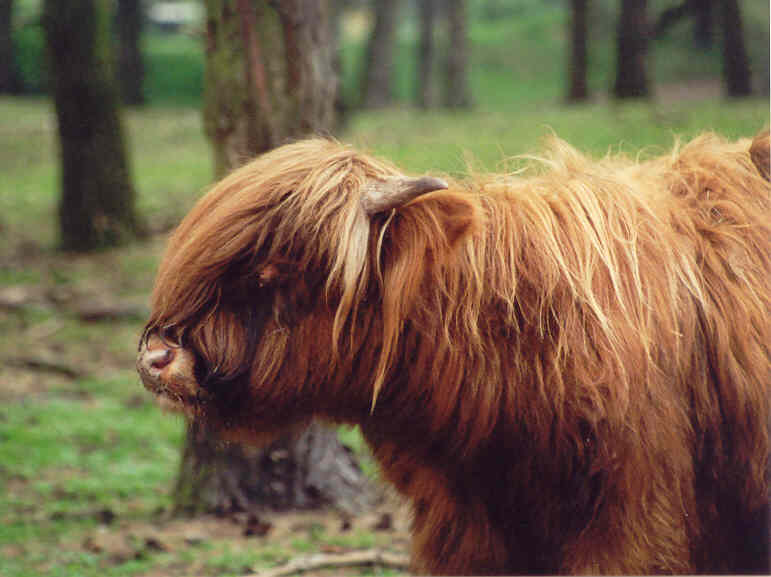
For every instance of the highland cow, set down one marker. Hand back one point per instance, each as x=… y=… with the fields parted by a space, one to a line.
x=566 y=369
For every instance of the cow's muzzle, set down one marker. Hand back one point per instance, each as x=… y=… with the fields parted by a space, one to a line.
x=168 y=371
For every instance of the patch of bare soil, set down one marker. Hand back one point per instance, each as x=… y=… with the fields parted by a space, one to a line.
x=194 y=542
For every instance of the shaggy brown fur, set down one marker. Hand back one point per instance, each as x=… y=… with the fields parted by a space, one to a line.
x=565 y=371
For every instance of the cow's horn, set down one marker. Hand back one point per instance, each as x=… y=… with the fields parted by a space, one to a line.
x=383 y=195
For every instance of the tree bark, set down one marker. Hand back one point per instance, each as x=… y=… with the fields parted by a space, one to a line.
x=309 y=53
x=458 y=94
x=269 y=78
x=96 y=208
x=130 y=65
x=632 y=47
x=426 y=93
x=378 y=89
x=309 y=472
x=736 y=63
x=578 y=60
x=9 y=76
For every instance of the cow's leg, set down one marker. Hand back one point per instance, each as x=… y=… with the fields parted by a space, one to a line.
x=452 y=533
x=453 y=536
x=634 y=536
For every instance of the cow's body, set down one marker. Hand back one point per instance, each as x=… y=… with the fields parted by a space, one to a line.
x=567 y=372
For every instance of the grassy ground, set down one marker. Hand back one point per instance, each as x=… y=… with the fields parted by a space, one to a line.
x=87 y=461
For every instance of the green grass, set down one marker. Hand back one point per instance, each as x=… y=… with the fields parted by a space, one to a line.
x=69 y=456
x=80 y=444
x=451 y=142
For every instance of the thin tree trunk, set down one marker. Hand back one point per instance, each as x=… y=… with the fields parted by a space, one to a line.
x=130 y=66
x=97 y=200
x=702 y=23
x=578 y=59
x=736 y=63
x=458 y=94
x=269 y=77
x=632 y=47
x=426 y=93
x=9 y=77
x=340 y=107
x=378 y=89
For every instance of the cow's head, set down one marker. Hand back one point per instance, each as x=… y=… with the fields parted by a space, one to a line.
x=292 y=276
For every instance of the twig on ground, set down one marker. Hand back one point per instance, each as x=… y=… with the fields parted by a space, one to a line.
x=336 y=561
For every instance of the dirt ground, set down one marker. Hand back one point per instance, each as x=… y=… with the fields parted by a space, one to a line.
x=274 y=537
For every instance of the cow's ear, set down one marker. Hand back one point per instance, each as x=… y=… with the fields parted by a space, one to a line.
x=455 y=214
x=415 y=243
x=418 y=240
x=430 y=227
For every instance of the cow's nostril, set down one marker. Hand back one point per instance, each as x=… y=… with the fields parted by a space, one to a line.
x=159 y=358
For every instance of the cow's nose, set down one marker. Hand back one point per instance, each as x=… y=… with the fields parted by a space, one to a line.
x=157 y=359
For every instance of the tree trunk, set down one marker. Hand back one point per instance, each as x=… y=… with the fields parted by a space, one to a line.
x=269 y=78
x=736 y=63
x=130 y=67
x=312 y=84
x=9 y=76
x=632 y=48
x=309 y=472
x=97 y=200
x=577 y=58
x=458 y=94
x=426 y=93
x=340 y=107
x=702 y=23
x=380 y=56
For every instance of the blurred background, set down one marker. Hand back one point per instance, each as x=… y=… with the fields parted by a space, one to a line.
x=116 y=115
